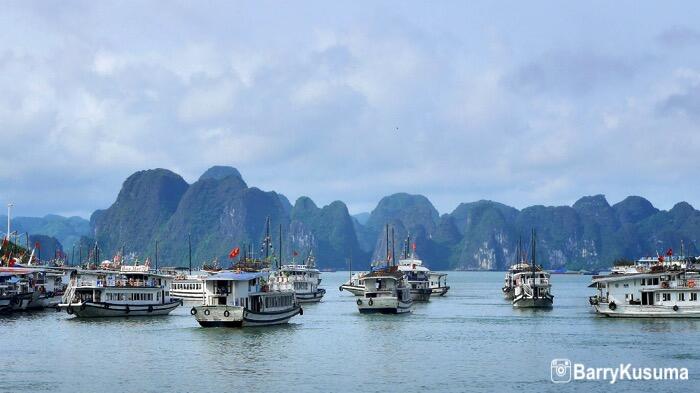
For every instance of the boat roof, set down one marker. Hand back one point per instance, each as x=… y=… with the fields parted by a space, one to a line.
x=233 y=276
x=633 y=276
x=392 y=273
x=298 y=268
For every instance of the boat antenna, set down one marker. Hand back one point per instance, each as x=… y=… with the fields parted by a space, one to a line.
x=387 y=246
x=189 y=248
x=156 y=255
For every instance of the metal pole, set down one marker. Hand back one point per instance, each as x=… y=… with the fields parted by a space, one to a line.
x=156 y=255
x=189 y=244
x=9 y=214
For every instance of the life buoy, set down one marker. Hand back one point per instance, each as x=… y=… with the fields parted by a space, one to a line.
x=664 y=284
x=69 y=310
x=207 y=312
x=371 y=302
x=226 y=313
x=359 y=302
x=691 y=283
x=675 y=307
x=150 y=308
x=612 y=306
x=193 y=311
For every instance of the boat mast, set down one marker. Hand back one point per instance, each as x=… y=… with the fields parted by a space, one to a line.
x=388 y=256
x=156 y=255
x=534 y=265
x=280 y=252
x=266 y=241
x=189 y=247
x=9 y=214
x=393 y=256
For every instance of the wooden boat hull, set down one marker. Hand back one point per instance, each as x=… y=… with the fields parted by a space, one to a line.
x=310 y=297
x=421 y=294
x=232 y=316
x=20 y=302
x=508 y=294
x=527 y=302
x=440 y=291
x=100 y=310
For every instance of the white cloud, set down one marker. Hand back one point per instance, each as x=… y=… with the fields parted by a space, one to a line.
x=310 y=105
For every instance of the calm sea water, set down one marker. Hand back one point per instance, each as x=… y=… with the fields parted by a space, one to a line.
x=470 y=340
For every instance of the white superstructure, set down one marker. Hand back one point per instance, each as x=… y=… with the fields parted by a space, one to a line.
x=239 y=299
x=669 y=288
x=130 y=291
x=386 y=292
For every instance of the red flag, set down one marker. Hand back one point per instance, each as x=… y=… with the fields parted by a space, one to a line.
x=669 y=252
x=661 y=258
x=37 y=245
x=414 y=246
x=296 y=253
x=234 y=253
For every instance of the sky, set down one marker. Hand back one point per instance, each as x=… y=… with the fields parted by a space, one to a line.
x=518 y=102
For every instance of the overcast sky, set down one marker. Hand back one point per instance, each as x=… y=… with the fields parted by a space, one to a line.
x=520 y=102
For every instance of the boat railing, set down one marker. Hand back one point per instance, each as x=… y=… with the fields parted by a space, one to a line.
x=118 y=284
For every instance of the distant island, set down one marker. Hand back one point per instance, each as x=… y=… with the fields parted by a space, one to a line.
x=220 y=211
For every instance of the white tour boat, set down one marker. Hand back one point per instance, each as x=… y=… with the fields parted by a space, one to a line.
x=16 y=289
x=668 y=289
x=354 y=284
x=532 y=288
x=386 y=291
x=239 y=299
x=438 y=283
x=130 y=291
x=304 y=280
x=417 y=275
x=519 y=266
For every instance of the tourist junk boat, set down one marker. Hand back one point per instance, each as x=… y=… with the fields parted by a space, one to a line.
x=520 y=266
x=417 y=275
x=243 y=297
x=438 y=283
x=669 y=288
x=386 y=292
x=129 y=291
x=187 y=287
x=532 y=287
x=304 y=280
x=386 y=289
x=354 y=284
x=49 y=287
x=240 y=299
x=16 y=289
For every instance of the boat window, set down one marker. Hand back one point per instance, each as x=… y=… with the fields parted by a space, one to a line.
x=666 y=296
x=681 y=296
x=656 y=281
x=693 y=296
